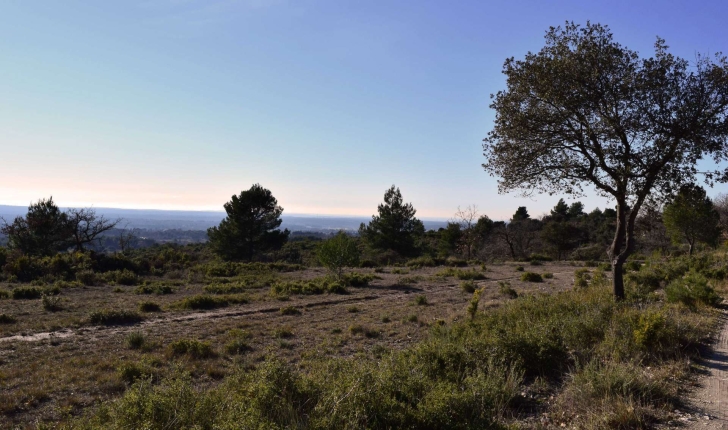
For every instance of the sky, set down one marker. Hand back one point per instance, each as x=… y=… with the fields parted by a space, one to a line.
x=179 y=104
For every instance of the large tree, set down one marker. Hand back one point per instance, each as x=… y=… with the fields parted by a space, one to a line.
x=44 y=230
x=395 y=227
x=585 y=110
x=251 y=226
x=691 y=217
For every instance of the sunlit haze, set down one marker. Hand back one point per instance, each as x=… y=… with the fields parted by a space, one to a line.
x=178 y=104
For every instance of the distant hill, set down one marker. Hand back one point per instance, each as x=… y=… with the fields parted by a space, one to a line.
x=202 y=220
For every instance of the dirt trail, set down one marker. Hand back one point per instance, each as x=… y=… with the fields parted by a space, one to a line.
x=708 y=405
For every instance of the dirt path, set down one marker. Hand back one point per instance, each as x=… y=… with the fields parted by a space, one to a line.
x=708 y=405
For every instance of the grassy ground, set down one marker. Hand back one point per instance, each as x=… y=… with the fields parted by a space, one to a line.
x=537 y=360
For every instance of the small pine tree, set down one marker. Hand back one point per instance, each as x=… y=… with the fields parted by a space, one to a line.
x=691 y=217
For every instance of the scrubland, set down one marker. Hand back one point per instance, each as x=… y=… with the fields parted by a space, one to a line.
x=198 y=343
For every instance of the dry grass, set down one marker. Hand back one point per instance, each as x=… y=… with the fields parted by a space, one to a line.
x=56 y=364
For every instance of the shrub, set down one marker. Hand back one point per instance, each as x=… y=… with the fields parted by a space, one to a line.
x=205 y=301
x=236 y=288
x=539 y=257
x=87 y=277
x=531 y=277
x=421 y=301
x=7 y=319
x=633 y=266
x=463 y=275
x=467 y=286
x=339 y=252
x=238 y=342
x=192 y=348
x=506 y=290
x=352 y=309
x=154 y=288
x=283 y=333
x=114 y=317
x=693 y=288
x=358 y=279
x=314 y=286
x=582 y=277
x=135 y=340
x=4 y=294
x=455 y=262
x=474 y=302
x=536 y=263
x=519 y=269
x=290 y=310
x=424 y=261
x=358 y=329
x=368 y=264
x=149 y=307
x=548 y=275
x=51 y=303
x=122 y=277
x=131 y=372
x=27 y=293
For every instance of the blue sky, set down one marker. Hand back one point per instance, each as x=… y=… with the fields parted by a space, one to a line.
x=178 y=104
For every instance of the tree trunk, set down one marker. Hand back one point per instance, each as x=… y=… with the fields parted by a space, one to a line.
x=621 y=247
x=690 y=249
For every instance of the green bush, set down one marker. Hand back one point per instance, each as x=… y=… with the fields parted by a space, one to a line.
x=87 y=277
x=132 y=372
x=582 y=278
x=122 y=277
x=114 y=317
x=338 y=253
x=7 y=319
x=27 y=293
x=306 y=287
x=135 y=340
x=154 y=288
x=421 y=301
x=468 y=286
x=235 y=288
x=355 y=279
x=425 y=261
x=505 y=289
x=290 y=310
x=204 y=301
x=4 y=294
x=693 y=288
x=456 y=262
x=519 y=269
x=192 y=348
x=531 y=277
x=238 y=342
x=149 y=307
x=51 y=303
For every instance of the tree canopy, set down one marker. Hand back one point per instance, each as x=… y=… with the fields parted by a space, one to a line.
x=395 y=227
x=585 y=110
x=690 y=217
x=45 y=230
x=251 y=226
